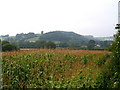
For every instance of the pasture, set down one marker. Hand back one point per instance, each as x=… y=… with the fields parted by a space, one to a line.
x=53 y=68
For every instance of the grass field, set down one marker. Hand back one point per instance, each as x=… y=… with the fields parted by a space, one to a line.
x=58 y=68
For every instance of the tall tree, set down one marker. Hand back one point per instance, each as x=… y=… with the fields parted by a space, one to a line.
x=91 y=44
x=116 y=49
x=6 y=46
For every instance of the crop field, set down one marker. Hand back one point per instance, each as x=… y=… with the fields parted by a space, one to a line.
x=57 y=68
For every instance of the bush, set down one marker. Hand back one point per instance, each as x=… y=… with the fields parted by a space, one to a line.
x=110 y=76
x=6 y=46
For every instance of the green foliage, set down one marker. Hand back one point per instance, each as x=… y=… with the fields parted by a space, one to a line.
x=62 y=36
x=102 y=59
x=40 y=44
x=47 y=70
x=110 y=76
x=37 y=44
x=112 y=47
x=85 y=59
x=50 y=45
x=65 y=40
x=91 y=44
x=116 y=58
x=5 y=42
x=6 y=46
x=105 y=44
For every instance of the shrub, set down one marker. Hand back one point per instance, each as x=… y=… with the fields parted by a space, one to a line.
x=110 y=76
x=6 y=46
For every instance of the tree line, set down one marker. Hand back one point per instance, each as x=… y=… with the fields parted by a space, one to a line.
x=91 y=45
x=7 y=46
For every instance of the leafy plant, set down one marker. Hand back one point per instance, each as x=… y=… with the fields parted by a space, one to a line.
x=101 y=60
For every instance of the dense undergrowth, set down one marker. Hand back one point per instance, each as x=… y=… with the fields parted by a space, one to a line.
x=110 y=76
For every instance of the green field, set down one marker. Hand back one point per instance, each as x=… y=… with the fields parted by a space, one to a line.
x=57 y=68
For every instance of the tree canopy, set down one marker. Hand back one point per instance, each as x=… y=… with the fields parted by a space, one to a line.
x=6 y=46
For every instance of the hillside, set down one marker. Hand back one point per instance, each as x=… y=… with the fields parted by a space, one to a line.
x=63 y=36
x=60 y=36
x=62 y=39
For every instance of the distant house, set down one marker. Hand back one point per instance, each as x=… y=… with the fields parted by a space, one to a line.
x=97 y=45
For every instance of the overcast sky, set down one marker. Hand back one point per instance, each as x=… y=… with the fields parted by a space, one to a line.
x=85 y=17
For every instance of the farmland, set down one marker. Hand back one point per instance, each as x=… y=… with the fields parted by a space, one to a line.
x=53 y=68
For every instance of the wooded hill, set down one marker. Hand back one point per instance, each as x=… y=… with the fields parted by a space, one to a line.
x=60 y=38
